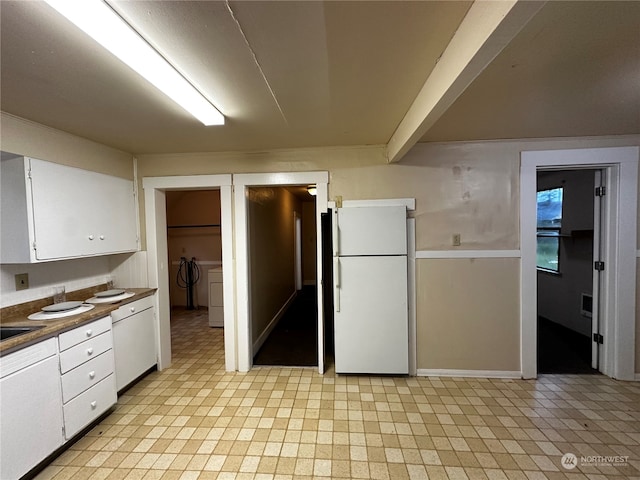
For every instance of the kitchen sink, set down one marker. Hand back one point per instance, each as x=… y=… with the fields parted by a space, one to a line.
x=8 y=332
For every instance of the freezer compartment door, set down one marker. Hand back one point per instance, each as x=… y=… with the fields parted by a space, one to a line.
x=372 y=324
x=371 y=231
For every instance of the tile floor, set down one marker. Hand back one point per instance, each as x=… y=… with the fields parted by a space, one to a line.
x=195 y=421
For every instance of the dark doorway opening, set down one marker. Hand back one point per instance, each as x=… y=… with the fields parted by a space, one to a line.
x=294 y=341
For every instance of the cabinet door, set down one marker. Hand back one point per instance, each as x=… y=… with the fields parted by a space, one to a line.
x=31 y=413
x=134 y=346
x=115 y=215
x=62 y=205
x=80 y=213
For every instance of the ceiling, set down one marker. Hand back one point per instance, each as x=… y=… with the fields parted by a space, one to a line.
x=309 y=74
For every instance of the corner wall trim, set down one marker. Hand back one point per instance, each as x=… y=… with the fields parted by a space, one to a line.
x=468 y=254
x=429 y=372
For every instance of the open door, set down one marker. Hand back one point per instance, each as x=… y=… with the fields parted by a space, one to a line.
x=598 y=257
x=327 y=285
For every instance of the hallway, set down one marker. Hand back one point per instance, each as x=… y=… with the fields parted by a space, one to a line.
x=294 y=341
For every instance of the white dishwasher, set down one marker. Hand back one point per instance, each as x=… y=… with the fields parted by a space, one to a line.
x=30 y=408
x=134 y=340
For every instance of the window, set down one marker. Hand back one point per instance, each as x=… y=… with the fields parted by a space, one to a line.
x=549 y=225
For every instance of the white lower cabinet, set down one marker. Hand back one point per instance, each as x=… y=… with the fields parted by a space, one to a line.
x=134 y=340
x=88 y=379
x=30 y=408
x=50 y=391
x=89 y=405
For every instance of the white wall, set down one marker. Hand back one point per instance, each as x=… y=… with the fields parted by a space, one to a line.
x=73 y=274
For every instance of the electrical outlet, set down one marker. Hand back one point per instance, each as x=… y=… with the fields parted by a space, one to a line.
x=22 y=281
x=455 y=240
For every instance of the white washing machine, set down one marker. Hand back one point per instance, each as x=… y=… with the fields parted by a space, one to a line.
x=216 y=300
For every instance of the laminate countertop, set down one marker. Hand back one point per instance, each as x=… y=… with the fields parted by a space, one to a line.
x=16 y=316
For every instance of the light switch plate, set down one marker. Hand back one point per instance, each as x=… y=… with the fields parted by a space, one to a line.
x=22 y=281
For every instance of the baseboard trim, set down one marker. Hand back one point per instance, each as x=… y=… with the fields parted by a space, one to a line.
x=272 y=324
x=430 y=372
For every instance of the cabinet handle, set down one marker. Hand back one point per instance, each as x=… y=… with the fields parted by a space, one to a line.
x=94 y=404
x=101 y=237
x=92 y=375
x=90 y=351
x=91 y=237
x=132 y=309
x=89 y=332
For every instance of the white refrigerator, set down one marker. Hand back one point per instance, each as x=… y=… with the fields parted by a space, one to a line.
x=371 y=319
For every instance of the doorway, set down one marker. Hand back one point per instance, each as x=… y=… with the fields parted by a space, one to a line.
x=619 y=234
x=568 y=228
x=282 y=261
x=242 y=185
x=158 y=268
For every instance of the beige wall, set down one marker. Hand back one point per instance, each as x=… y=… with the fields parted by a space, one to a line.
x=271 y=253
x=199 y=207
x=27 y=138
x=466 y=188
x=469 y=314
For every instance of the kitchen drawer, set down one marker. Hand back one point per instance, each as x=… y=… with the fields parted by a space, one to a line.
x=85 y=351
x=132 y=308
x=86 y=375
x=84 y=332
x=88 y=406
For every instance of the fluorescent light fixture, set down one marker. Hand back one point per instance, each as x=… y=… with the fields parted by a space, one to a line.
x=105 y=26
x=312 y=190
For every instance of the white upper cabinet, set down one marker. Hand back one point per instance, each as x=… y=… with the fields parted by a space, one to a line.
x=54 y=212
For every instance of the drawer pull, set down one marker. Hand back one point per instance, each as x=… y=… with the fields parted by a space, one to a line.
x=92 y=375
x=101 y=237
x=91 y=237
x=94 y=404
x=132 y=309
x=89 y=332
x=90 y=351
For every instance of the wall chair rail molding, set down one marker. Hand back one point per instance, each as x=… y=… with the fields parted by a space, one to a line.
x=468 y=254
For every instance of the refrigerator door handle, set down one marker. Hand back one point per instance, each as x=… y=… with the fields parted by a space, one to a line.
x=336 y=277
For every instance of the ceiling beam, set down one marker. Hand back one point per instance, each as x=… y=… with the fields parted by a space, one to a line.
x=485 y=31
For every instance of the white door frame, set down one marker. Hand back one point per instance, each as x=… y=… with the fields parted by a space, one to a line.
x=241 y=182
x=157 y=255
x=618 y=296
